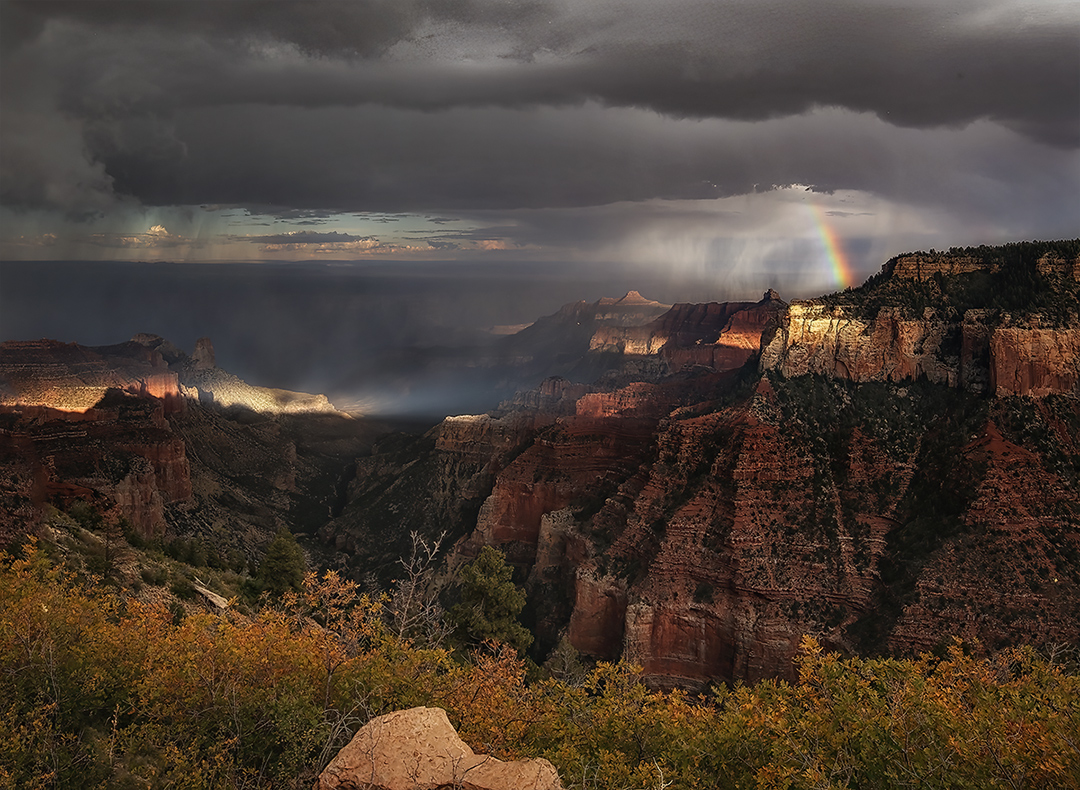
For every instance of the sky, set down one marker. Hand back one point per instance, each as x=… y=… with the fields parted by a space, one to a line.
x=815 y=138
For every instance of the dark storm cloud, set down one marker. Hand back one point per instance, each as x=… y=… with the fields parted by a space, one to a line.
x=372 y=159
x=351 y=27
x=408 y=105
x=918 y=64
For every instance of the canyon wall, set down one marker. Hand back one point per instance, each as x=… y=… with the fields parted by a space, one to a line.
x=701 y=530
x=872 y=481
x=1034 y=361
x=121 y=457
x=141 y=431
x=735 y=531
x=826 y=340
x=717 y=550
x=925 y=266
x=1022 y=359
x=721 y=335
x=70 y=377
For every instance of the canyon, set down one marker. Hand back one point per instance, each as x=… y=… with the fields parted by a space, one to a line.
x=881 y=477
x=166 y=442
x=692 y=487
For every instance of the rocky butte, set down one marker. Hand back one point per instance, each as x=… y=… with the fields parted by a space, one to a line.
x=881 y=468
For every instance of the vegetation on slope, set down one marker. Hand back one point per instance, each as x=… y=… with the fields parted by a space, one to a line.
x=1011 y=282
x=100 y=690
x=934 y=431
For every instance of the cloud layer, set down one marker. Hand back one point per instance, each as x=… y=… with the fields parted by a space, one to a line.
x=532 y=117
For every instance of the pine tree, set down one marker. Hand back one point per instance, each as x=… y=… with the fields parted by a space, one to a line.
x=283 y=566
x=490 y=602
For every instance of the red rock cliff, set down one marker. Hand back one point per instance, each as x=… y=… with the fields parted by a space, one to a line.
x=720 y=335
x=123 y=457
x=702 y=542
x=1034 y=361
x=1014 y=360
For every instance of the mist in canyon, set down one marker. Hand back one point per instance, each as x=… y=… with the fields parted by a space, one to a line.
x=414 y=339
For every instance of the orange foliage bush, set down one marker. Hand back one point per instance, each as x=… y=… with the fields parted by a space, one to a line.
x=101 y=691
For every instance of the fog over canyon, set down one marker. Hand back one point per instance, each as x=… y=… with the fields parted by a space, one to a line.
x=420 y=339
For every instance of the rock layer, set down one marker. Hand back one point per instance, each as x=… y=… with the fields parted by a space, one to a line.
x=718 y=335
x=1010 y=359
x=1035 y=362
x=70 y=377
x=170 y=443
x=122 y=456
x=816 y=338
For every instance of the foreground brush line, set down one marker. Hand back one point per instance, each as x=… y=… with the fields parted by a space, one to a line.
x=103 y=691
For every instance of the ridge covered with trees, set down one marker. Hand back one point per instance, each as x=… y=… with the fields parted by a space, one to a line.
x=1008 y=279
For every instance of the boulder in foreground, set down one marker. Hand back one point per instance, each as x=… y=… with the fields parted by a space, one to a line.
x=418 y=749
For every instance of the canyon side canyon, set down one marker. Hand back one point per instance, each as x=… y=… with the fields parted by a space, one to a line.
x=693 y=487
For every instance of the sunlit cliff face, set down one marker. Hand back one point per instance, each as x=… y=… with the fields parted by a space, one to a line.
x=67 y=399
x=82 y=399
x=67 y=377
x=270 y=401
x=78 y=397
x=70 y=378
x=225 y=390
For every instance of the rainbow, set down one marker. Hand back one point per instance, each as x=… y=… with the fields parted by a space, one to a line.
x=841 y=268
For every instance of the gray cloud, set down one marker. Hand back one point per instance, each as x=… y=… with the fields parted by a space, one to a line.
x=328 y=26
x=379 y=159
x=474 y=105
x=916 y=64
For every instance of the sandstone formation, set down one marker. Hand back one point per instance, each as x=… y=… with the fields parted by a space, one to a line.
x=203 y=355
x=1011 y=360
x=1056 y=265
x=121 y=455
x=719 y=335
x=816 y=338
x=172 y=444
x=559 y=344
x=70 y=377
x=418 y=749
x=1034 y=361
x=923 y=266
x=712 y=539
